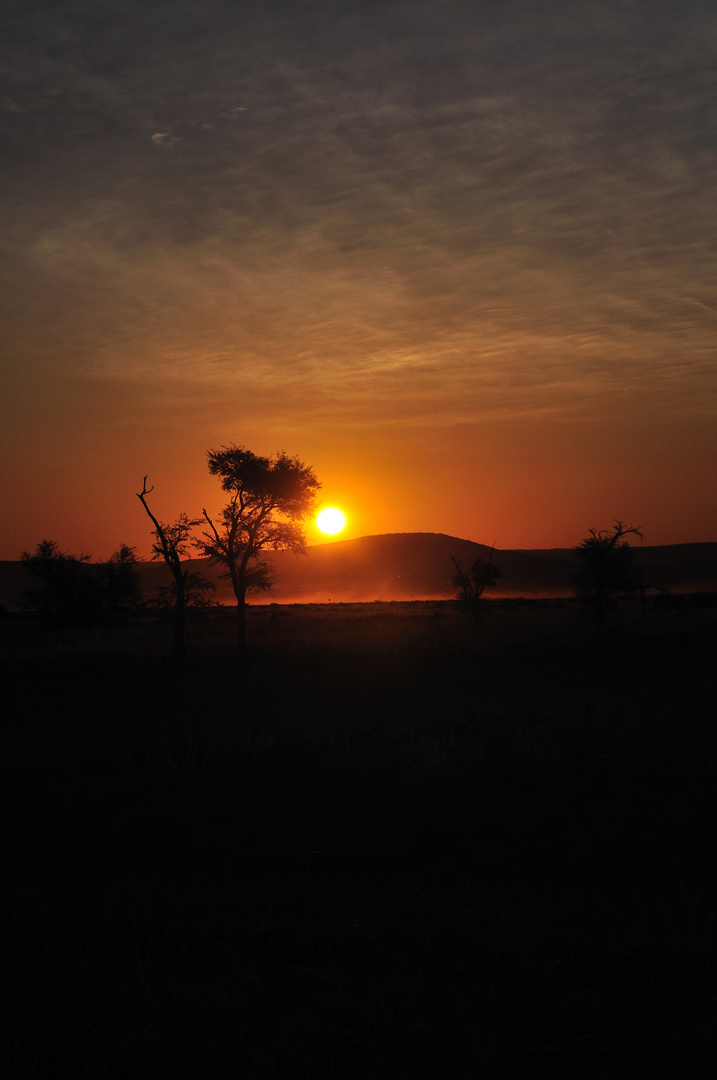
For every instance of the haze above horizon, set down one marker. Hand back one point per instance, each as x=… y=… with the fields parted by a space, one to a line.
x=459 y=258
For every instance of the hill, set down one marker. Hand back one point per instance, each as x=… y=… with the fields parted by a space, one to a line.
x=417 y=566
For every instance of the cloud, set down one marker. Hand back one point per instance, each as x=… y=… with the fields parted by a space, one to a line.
x=484 y=213
x=163 y=138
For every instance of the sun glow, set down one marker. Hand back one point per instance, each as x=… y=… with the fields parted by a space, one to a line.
x=330 y=521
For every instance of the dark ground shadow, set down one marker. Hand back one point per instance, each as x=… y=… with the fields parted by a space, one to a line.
x=394 y=846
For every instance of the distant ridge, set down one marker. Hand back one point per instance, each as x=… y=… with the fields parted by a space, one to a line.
x=417 y=566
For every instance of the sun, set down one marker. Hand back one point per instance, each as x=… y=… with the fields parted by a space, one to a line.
x=330 y=521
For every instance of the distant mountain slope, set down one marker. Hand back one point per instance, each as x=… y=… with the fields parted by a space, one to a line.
x=390 y=566
x=415 y=566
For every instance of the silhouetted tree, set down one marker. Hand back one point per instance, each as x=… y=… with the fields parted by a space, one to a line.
x=269 y=497
x=606 y=568
x=74 y=590
x=172 y=543
x=471 y=584
x=68 y=589
x=119 y=581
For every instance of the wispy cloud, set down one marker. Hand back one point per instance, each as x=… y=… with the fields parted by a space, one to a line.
x=392 y=214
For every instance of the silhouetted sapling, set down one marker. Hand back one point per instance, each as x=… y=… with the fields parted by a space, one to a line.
x=471 y=584
x=269 y=497
x=606 y=568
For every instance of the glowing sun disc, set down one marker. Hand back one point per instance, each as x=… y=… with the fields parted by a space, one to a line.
x=330 y=521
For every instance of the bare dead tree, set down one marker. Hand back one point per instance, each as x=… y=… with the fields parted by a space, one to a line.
x=172 y=543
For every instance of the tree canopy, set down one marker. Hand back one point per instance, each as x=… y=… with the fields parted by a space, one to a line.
x=606 y=567
x=269 y=498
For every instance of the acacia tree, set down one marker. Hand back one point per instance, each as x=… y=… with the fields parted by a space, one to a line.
x=269 y=497
x=606 y=568
x=471 y=584
x=172 y=543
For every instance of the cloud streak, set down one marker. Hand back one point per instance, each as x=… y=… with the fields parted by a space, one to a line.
x=390 y=214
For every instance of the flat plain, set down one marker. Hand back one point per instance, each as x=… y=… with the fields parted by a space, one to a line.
x=395 y=843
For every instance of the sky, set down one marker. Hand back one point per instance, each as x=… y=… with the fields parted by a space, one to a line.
x=459 y=257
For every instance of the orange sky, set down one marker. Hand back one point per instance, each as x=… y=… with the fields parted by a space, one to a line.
x=458 y=258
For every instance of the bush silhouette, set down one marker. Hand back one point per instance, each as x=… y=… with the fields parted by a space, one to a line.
x=74 y=590
x=471 y=584
x=606 y=568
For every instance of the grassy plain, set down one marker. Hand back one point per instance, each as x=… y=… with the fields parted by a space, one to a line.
x=398 y=844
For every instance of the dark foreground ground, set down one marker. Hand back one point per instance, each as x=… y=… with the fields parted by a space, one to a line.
x=395 y=846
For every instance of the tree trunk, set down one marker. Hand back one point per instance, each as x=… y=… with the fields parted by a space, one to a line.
x=178 y=655
x=242 y=644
